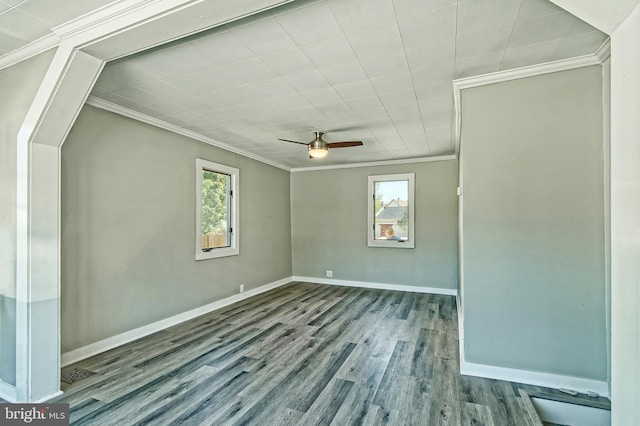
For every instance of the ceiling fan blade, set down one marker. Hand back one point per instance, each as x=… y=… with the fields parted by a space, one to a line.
x=286 y=140
x=344 y=144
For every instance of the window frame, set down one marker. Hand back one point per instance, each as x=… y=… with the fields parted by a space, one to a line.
x=233 y=204
x=371 y=237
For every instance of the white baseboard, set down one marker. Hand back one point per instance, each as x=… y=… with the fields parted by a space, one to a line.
x=378 y=286
x=129 y=336
x=535 y=378
x=7 y=392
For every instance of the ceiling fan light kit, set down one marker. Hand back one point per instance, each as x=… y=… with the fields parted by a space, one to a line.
x=318 y=152
x=318 y=148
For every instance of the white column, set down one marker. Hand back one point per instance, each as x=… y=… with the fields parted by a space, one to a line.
x=625 y=222
x=62 y=94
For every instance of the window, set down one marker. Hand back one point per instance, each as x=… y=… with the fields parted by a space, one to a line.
x=390 y=211
x=216 y=210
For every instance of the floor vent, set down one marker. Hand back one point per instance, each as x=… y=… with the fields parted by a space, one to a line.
x=75 y=375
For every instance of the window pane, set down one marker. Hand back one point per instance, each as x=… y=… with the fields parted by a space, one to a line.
x=215 y=210
x=391 y=221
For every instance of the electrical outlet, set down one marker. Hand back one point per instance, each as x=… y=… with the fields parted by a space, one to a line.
x=241 y=288
x=329 y=274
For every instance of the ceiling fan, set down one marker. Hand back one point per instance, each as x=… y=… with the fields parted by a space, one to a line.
x=318 y=148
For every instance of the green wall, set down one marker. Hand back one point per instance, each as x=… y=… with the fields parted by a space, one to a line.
x=329 y=223
x=533 y=224
x=128 y=212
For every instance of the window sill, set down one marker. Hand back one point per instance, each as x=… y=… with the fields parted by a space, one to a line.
x=217 y=253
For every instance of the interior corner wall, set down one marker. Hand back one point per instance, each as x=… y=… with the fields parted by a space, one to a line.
x=128 y=228
x=329 y=227
x=533 y=221
x=18 y=86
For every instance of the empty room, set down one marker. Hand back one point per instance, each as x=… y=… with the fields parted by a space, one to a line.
x=305 y=212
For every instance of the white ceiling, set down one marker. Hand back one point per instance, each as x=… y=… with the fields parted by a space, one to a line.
x=379 y=71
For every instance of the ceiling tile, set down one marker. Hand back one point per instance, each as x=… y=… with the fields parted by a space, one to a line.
x=296 y=23
x=435 y=89
x=306 y=80
x=478 y=65
x=581 y=44
x=368 y=102
x=435 y=104
x=477 y=15
x=163 y=65
x=381 y=66
x=331 y=51
x=354 y=15
x=411 y=7
x=140 y=96
x=490 y=40
x=264 y=36
x=348 y=72
x=369 y=44
x=357 y=89
x=438 y=71
x=530 y=9
x=431 y=54
x=167 y=109
x=434 y=119
x=375 y=113
x=542 y=29
x=580 y=27
x=252 y=70
x=325 y=95
x=222 y=47
x=392 y=83
x=219 y=77
x=412 y=133
x=426 y=27
x=288 y=61
x=292 y=102
x=273 y=88
x=437 y=115
x=187 y=84
x=528 y=55
x=400 y=97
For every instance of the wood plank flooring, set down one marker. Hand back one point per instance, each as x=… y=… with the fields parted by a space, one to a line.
x=302 y=354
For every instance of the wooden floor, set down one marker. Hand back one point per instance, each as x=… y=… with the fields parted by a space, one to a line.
x=303 y=354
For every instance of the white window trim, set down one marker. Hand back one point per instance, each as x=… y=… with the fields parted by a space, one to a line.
x=371 y=240
x=234 y=248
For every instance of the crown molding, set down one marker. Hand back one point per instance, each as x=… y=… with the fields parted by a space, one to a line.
x=518 y=73
x=134 y=115
x=376 y=163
